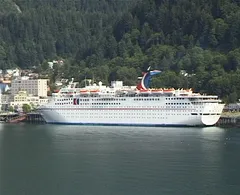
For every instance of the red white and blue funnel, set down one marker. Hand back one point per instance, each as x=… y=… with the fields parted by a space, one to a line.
x=145 y=81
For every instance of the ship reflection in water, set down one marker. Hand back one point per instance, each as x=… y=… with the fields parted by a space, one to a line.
x=53 y=159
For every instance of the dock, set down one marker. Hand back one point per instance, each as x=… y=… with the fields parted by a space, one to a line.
x=34 y=118
x=31 y=117
x=7 y=115
x=16 y=119
x=229 y=119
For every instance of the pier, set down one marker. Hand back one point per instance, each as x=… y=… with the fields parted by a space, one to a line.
x=229 y=119
x=34 y=118
x=7 y=115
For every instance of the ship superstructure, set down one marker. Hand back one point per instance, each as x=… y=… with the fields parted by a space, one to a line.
x=138 y=106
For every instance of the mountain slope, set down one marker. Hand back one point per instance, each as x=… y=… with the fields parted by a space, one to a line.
x=8 y=6
x=47 y=29
x=198 y=37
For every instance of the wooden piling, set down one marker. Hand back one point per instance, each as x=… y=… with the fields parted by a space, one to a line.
x=35 y=118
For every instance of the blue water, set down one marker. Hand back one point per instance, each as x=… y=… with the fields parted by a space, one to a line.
x=59 y=160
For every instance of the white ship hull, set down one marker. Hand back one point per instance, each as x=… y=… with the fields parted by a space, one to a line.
x=156 y=112
x=138 y=106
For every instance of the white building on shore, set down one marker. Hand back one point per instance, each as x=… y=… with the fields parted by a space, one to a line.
x=36 y=87
x=22 y=97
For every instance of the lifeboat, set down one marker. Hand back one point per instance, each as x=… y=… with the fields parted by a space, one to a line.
x=157 y=91
x=185 y=91
x=145 y=91
x=84 y=91
x=96 y=91
x=169 y=90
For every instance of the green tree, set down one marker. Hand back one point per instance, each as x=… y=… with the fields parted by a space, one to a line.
x=127 y=75
x=11 y=109
x=26 y=108
x=200 y=37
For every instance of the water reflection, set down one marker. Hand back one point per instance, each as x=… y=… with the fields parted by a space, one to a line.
x=51 y=159
x=213 y=129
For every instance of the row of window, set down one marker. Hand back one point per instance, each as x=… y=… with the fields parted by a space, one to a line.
x=180 y=103
x=86 y=99
x=99 y=105
x=67 y=103
x=146 y=99
x=123 y=99
x=103 y=117
x=109 y=99
x=175 y=98
x=95 y=105
x=121 y=113
x=206 y=113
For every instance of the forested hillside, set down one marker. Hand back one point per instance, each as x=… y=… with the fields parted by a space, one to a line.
x=194 y=42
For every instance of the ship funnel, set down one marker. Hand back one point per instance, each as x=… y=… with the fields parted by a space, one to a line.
x=145 y=81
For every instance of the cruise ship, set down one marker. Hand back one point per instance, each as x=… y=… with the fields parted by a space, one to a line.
x=131 y=105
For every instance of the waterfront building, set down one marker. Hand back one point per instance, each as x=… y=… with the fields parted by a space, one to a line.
x=36 y=87
x=22 y=97
x=5 y=99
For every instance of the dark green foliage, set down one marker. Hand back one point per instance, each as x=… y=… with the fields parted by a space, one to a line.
x=11 y=109
x=26 y=108
x=112 y=40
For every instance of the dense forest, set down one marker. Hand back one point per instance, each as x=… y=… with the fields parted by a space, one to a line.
x=196 y=43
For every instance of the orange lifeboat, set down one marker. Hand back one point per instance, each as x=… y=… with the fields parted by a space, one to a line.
x=157 y=91
x=96 y=91
x=168 y=90
x=145 y=91
x=84 y=91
